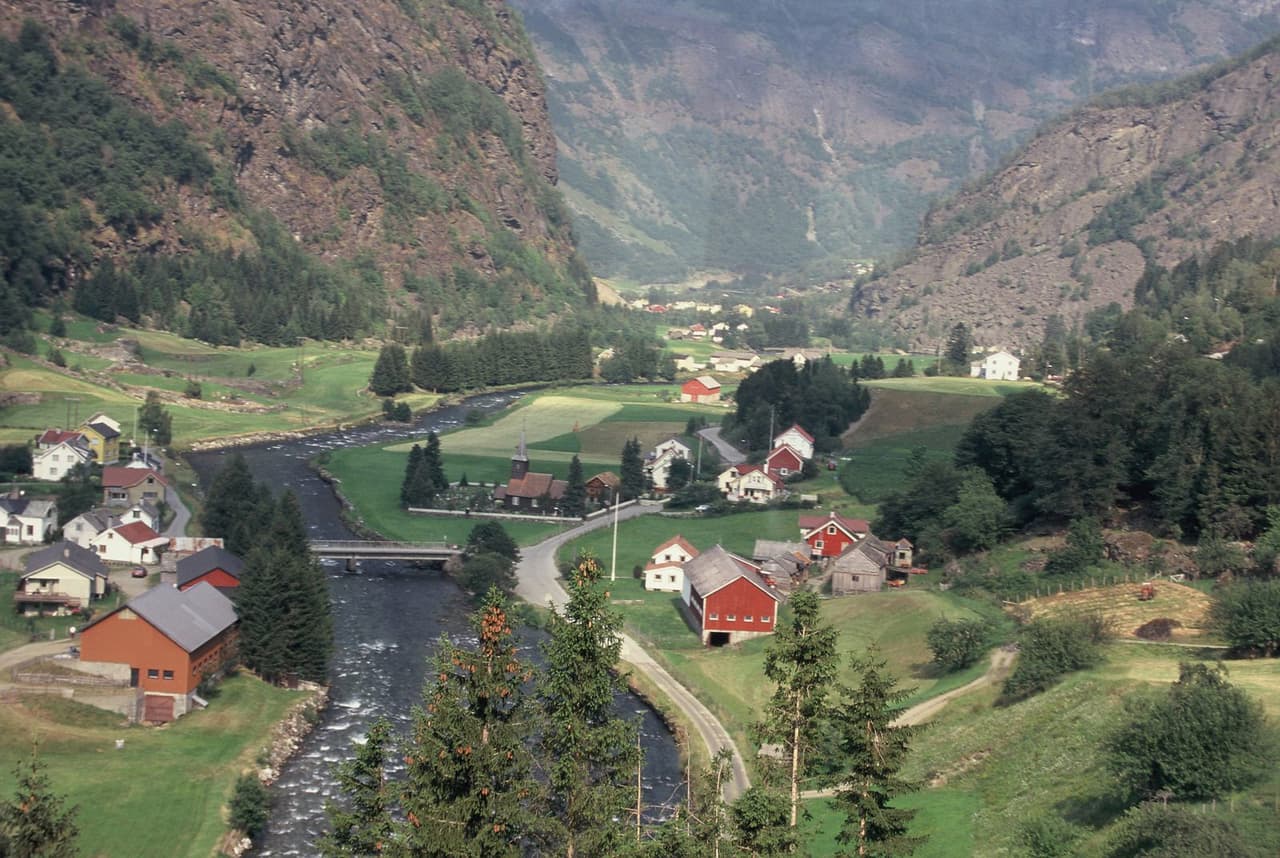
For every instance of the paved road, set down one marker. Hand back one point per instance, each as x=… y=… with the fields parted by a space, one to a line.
x=181 y=515
x=539 y=584
x=729 y=454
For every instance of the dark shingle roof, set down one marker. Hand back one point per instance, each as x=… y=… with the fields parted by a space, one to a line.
x=80 y=559
x=207 y=559
x=716 y=568
x=189 y=618
x=104 y=430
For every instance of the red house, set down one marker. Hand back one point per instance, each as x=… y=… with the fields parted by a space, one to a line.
x=727 y=598
x=214 y=565
x=829 y=536
x=704 y=388
x=166 y=642
x=783 y=461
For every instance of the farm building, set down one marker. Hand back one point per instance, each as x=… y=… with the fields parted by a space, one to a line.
x=603 y=487
x=797 y=439
x=213 y=565
x=165 y=642
x=704 y=388
x=1000 y=366
x=784 y=461
x=831 y=535
x=728 y=600
x=865 y=567
x=665 y=569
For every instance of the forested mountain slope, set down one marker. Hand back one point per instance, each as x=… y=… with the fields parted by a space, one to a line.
x=1156 y=173
x=757 y=135
x=275 y=168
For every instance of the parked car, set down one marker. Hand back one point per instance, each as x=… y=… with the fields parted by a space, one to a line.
x=138 y=572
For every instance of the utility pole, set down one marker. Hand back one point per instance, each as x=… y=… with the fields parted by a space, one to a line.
x=639 y=765
x=613 y=565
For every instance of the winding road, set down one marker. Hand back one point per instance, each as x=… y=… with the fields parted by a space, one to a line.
x=539 y=584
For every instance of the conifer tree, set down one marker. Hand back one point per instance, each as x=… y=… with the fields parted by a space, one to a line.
x=410 y=469
x=631 y=470
x=360 y=823
x=801 y=660
x=574 y=501
x=154 y=421
x=36 y=823
x=589 y=754
x=434 y=465
x=761 y=827
x=469 y=788
x=390 y=371
x=872 y=751
x=235 y=506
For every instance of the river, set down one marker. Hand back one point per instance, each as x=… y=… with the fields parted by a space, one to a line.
x=387 y=620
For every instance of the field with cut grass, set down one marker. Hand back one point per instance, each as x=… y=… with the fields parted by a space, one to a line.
x=187 y=769
x=1120 y=606
x=952 y=385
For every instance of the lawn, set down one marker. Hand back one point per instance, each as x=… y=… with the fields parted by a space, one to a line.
x=186 y=769
x=877 y=468
x=1119 y=604
x=952 y=386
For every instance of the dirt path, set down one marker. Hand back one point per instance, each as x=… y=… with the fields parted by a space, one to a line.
x=1001 y=664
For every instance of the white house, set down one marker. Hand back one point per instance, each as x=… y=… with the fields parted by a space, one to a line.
x=688 y=363
x=85 y=527
x=1000 y=366
x=54 y=463
x=60 y=578
x=658 y=463
x=797 y=439
x=25 y=521
x=750 y=483
x=735 y=361
x=129 y=543
x=665 y=569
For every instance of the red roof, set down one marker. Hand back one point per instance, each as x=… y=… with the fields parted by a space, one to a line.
x=534 y=485
x=800 y=429
x=54 y=437
x=121 y=477
x=785 y=449
x=136 y=532
x=851 y=526
x=682 y=542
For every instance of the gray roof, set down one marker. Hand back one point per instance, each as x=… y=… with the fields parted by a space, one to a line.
x=189 y=618
x=80 y=559
x=206 y=559
x=26 y=506
x=766 y=549
x=104 y=430
x=715 y=568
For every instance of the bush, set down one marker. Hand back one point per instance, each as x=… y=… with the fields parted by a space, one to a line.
x=1201 y=739
x=250 y=805
x=956 y=644
x=1171 y=831
x=193 y=390
x=1159 y=629
x=1248 y=616
x=1050 y=648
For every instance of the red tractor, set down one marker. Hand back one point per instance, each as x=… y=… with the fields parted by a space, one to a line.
x=1147 y=593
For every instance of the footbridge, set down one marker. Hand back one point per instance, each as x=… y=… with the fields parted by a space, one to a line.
x=368 y=549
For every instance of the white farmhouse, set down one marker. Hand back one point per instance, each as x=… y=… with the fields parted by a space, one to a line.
x=1000 y=366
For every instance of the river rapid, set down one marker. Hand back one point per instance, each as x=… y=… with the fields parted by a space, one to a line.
x=387 y=622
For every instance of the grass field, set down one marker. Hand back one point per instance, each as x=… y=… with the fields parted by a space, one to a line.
x=1119 y=604
x=162 y=795
x=952 y=386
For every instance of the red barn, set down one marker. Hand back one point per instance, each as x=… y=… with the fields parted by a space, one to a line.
x=166 y=641
x=214 y=565
x=829 y=536
x=783 y=461
x=728 y=598
x=704 y=388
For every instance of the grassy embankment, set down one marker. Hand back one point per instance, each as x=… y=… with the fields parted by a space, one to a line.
x=163 y=794
x=317 y=384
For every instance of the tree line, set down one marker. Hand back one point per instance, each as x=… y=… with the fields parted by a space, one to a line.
x=821 y=397
x=503 y=358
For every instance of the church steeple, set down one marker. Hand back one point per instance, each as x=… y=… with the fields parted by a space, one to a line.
x=520 y=461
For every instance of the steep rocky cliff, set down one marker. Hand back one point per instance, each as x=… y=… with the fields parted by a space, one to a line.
x=1160 y=172
x=409 y=135
x=770 y=135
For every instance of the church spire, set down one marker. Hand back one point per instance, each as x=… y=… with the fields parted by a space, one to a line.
x=520 y=461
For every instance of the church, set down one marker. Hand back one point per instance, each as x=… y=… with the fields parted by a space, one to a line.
x=529 y=492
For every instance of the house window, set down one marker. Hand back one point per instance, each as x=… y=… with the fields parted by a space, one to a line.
x=818 y=543
x=764 y=618
x=747 y=618
x=152 y=673
x=168 y=674
x=731 y=617
x=831 y=529
x=671 y=578
x=713 y=616
x=515 y=501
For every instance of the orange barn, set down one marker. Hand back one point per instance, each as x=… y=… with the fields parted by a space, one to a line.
x=169 y=641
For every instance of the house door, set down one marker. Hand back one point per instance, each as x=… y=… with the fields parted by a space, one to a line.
x=133 y=677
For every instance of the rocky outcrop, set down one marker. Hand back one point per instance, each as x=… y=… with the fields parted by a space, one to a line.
x=1059 y=229
x=321 y=113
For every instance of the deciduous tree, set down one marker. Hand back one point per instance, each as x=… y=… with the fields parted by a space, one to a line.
x=1248 y=616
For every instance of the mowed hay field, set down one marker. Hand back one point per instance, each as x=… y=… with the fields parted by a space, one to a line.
x=1119 y=604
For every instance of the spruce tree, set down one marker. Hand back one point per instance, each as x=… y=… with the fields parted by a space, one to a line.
x=588 y=753
x=871 y=751
x=37 y=823
x=574 y=501
x=390 y=371
x=235 y=506
x=154 y=421
x=469 y=788
x=631 y=470
x=360 y=822
x=410 y=469
x=434 y=465
x=801 y=661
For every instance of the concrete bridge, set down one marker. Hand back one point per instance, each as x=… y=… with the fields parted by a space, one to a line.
x=368 y=549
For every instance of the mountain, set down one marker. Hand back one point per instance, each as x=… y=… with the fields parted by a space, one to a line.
x=280 y=168
x=775 y=135
x=1160 y=172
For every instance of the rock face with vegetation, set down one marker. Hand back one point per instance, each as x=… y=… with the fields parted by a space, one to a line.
x=1154 y=173
x=748 y=136
x=400 y=149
